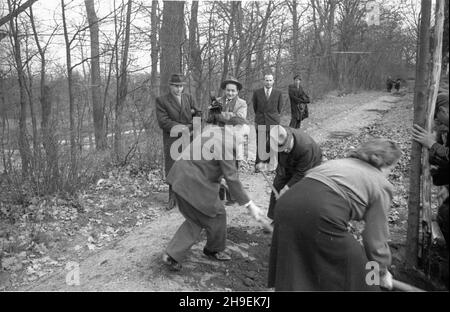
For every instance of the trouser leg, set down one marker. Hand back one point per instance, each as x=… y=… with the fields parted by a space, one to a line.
x=187 y=234
x=216 y=233
x=266 y=145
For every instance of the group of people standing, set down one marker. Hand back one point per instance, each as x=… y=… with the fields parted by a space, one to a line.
x=311 y=202
x=390 y=83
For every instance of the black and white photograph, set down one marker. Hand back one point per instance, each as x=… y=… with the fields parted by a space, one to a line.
x=222 y=153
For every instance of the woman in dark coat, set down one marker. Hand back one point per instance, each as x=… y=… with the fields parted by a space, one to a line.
x=312 y=249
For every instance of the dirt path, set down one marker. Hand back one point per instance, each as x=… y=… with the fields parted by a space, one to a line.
x=133 y=263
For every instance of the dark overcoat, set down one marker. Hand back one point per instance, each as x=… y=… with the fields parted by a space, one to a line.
x=299 y=100
x=198 y=181
x=293 y=166
x=169 y=114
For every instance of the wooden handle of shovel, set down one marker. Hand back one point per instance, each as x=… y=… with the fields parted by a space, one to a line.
x=277 y=195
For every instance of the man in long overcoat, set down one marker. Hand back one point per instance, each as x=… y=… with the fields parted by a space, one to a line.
x=196 y=185
x=267 y=104
x=299 y=103
x=172 y=109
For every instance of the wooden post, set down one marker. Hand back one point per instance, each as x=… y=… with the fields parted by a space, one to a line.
x=420 y=98
x=432 y=95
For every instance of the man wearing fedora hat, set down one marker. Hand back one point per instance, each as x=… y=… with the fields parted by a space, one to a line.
x=172 y=109
x=232 y=107
x=299 y=100
x=232 y=104
x=297 y=153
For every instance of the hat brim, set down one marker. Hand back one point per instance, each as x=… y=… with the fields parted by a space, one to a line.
x=237 y=83
x=285 y=144
x=177 y=83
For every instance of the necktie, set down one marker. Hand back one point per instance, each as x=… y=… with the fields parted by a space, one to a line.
x=267 y=93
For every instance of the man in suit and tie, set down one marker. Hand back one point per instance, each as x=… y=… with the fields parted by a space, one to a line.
x=267 y=104
x=299 y=101
x=172 y=109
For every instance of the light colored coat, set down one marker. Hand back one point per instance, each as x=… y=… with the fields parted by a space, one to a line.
x=237 y=107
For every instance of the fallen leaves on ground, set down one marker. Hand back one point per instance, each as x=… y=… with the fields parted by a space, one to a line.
x=38 y=239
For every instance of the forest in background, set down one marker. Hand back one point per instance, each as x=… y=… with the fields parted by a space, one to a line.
x=65 y=121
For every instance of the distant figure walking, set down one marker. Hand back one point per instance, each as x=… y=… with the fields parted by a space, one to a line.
x=389 y=84
x=397 y=84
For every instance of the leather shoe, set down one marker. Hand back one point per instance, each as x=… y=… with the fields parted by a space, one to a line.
x=218 y=255
x=171 y=263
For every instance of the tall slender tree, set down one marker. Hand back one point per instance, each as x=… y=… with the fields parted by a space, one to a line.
x=420 y=100
x=171 y=40
x=72 y=130
x=122 y=87
x=24 y=147
x=95 y=85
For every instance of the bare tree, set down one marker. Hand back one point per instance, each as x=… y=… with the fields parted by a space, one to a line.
x=171 y=40
x=122 y=87
x=195 y=60
x=48 y=139
x=154 y=49
x=24 y=148
x=97 y=106
x=72 y=134
x=420 y=100
x=16 y=11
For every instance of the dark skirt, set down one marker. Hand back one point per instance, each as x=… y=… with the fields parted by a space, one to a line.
x=311 y=248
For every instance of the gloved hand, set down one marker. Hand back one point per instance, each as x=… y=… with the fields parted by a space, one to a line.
x=386 y=279
x=254 y=210
x=261 y=167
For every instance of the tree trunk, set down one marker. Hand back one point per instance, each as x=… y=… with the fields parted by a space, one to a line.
x=73 y=149
x=97 y=105
x=226 y=51
x=195 y=63
x=171 y=40
x=420 y=99
x=24 y=148
x=123 y=88
x=29 y=90
x=295 y=37
x=260 y=64
x=16 y=11
x=48 y=139
x=154 y=50
x=432 y=95
x=239 y=53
